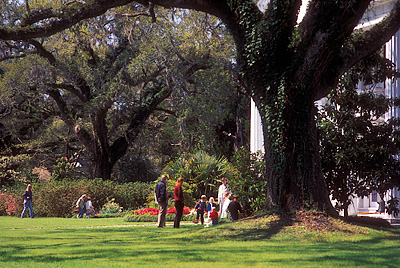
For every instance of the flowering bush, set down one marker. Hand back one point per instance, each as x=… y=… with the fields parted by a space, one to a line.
x=111 y=207
x=150 y=211
x=8 y=205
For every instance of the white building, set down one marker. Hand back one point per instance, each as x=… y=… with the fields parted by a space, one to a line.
x=380 y=8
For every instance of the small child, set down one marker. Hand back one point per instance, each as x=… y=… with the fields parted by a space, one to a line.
x=211 y=205
x=214 y=216
x=89 y=207
x=234 y=208
x=200 y=209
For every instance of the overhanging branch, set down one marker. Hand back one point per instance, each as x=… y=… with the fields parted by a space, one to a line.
x=357 y=48
x=372 y=40
x=56 y=20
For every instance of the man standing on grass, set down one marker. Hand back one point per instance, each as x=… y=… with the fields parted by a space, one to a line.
x=161 y=194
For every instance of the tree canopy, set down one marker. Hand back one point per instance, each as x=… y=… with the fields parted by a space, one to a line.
x=107 y=76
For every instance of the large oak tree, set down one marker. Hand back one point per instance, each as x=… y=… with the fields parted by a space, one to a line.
x=108 y=75
x=284 y=66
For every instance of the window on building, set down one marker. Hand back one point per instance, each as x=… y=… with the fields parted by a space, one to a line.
x=374 y=196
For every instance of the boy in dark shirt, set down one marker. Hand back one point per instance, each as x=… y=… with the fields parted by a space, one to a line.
x=234 y=208
x=200 y=209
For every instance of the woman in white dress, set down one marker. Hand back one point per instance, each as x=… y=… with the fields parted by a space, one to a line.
x=223 y=189
x=225 y=205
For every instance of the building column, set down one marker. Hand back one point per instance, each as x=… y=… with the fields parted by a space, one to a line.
x=256 y=133
x=392 y=52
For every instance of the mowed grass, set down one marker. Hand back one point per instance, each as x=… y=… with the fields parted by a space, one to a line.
x=259 y=242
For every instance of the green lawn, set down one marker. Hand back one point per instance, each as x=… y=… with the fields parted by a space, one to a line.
x=263 y=242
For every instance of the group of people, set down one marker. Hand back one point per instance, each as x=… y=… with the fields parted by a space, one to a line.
x=224 y=202
x=83 y=204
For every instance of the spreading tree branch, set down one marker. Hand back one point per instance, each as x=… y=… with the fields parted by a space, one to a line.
x=372 y=40
x=357 y=48
x=56 y=20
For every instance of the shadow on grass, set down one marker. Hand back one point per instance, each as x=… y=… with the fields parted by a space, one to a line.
x=374 y=252
x=192 y=243
x=262 y=231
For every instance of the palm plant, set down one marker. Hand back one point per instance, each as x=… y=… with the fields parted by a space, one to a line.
x=202 y=170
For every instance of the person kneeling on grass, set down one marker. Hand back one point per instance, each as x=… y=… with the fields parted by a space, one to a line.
x=234 y=208
x=214 y=216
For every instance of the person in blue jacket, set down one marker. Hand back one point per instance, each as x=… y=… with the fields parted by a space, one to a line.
x=200 y=209
x=161 y=195
x=28 y=201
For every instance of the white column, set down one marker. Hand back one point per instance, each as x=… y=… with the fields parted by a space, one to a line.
x=392 y=89
x=256 y=134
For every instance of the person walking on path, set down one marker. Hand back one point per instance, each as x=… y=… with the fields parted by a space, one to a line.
x=222 y=190
x=179 y=204
x=161 y=194
x=80 y=204
x=89 y=207
x=28 y=201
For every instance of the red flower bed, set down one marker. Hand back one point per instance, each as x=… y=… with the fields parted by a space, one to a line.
x=154 y=211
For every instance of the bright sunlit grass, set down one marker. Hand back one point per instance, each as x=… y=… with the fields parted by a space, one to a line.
x=262 y=242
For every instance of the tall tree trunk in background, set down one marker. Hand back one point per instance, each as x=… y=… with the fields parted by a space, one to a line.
x=293 y=165
x=238 y=135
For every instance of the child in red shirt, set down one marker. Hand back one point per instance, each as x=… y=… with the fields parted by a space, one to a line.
x=214 y=216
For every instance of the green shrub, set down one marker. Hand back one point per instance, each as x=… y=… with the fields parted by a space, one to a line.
x=55 y=198
x=100 y=191
x=58 y=198
x=153 y=218
x=113 y=215
x=249 y=184
x=111 y=207
x=63 y=170
x=133 y=195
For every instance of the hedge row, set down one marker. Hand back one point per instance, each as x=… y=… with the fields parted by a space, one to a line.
x=57 y=198
x=153 y=218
